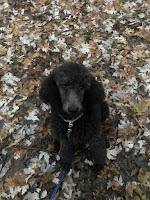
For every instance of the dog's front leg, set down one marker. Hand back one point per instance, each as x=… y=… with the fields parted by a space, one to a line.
x=98 y=152
x=66 y=153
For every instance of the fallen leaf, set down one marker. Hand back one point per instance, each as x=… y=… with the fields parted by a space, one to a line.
x=17 y=180
x=79 y=5
x=3 y=51
x=18 y=152
x=112 y=84
x=29 y=86
x=50 y=27
x=129 y=72
x=140 y=107
x=27 y=62
x=38 y=68
x=92 y=46
x=1 y=187
x=46 y=177
x=143 y=177
x=32 y=115
x=50 y=147
x=130 y=187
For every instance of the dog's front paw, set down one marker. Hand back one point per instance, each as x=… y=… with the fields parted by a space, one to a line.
x=64 y=165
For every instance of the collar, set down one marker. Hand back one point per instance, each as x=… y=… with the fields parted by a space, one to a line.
x=70 y=123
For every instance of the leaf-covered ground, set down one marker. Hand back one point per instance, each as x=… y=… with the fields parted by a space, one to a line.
x=112 y=39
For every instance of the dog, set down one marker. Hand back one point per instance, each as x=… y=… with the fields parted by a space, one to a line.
x=78 y=105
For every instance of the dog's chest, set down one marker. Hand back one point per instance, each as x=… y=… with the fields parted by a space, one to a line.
x=81 y=132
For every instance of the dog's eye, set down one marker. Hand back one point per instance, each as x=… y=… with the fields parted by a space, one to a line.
x=81 y=87
x=65 y=86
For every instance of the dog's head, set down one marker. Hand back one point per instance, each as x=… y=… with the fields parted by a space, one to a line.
x=67 y=88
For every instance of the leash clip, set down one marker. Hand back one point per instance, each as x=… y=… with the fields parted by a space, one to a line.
x=70 y=125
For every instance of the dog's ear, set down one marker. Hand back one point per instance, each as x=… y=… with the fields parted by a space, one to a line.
x=105 y=110
x=95 y=95
x=49 y=92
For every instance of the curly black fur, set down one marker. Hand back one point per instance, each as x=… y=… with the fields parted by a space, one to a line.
x=71 y=90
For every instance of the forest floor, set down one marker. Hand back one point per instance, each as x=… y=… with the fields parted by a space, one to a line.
x=112 y=39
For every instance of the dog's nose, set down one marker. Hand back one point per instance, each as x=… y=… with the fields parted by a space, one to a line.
x=73 y=109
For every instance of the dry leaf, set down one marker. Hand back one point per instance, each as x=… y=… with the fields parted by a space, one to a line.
x=28 y=87
x=1 y=187
x=50 y=27
x=79 y=5
x=143 y=177
x=112 y=84
x=27 y=62
x=92 y=46
x=47 y=177
x=17 y=180
x=18 y=152
x=130 y=187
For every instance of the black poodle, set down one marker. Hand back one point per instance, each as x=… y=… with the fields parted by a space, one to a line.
x=78 y=109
